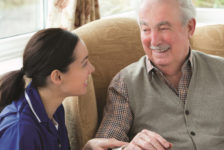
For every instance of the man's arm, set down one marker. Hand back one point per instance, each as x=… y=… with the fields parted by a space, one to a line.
x=117 y=117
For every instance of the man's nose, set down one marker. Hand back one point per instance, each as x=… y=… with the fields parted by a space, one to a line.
x=155 y=38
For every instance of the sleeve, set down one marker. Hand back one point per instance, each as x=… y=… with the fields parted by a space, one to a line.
x=20 y=137
x=117 y=118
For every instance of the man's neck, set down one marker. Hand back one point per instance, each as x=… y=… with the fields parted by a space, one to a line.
x=172 y=74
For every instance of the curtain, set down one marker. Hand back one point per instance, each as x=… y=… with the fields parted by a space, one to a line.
x=71 y=14
x=86 y=11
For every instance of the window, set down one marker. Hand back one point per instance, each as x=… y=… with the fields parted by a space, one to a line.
x=113 y=7
x=209 y=3
x=208 y=11
x=19 y=19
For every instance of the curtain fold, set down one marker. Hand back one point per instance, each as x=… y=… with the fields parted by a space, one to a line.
x=71 y=14
x=86 y=11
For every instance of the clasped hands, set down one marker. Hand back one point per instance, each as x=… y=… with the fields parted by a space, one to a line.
x=148 y=140
x=144 y=140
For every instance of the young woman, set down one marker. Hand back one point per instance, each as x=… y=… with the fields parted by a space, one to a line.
x=57 y=63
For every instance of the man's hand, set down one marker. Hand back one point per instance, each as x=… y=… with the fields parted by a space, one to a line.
x=148 y=140
x=103 y=144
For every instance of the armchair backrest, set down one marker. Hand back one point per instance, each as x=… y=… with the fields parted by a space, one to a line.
x=114 y=43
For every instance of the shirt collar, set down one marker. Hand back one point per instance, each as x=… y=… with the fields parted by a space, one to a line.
x=150 y=66
x=55 y=123
x=35 y=103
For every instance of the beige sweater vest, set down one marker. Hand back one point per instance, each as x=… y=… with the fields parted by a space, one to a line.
x=197 y=125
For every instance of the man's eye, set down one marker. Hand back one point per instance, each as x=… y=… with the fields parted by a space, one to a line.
x=164 y=28
x=145 y=30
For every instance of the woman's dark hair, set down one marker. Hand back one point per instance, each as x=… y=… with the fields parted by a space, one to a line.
x=47 y=50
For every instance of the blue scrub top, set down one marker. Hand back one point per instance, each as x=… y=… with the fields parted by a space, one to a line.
x=24 y=125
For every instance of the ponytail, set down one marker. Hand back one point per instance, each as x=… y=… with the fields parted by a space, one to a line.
x=11 y=87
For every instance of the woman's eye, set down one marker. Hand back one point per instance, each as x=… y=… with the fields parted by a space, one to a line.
x=85 y=64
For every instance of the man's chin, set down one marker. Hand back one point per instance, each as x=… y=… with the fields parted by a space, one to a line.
x=161 y=63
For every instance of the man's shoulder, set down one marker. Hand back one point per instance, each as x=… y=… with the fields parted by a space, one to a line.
x=134 y=67
x=131 y=69
x=207 y=57
x=209 y=62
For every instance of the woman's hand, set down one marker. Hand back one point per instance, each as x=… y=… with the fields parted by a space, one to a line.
x=103 y=144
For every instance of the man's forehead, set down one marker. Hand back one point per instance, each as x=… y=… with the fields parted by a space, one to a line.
x=152 y=5
x=161 y=23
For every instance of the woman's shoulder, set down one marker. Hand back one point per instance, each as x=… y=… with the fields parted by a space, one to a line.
x=17 y=124
x=19 y=134
x=15 y=114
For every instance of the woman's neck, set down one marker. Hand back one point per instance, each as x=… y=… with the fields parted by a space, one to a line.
x=50 y=99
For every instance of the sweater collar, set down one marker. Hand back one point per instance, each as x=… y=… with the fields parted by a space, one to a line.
x=150 y=66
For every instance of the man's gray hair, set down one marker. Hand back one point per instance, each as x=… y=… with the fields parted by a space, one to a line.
x=187 y=9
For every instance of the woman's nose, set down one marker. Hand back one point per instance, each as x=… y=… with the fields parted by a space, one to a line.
x=92 y=68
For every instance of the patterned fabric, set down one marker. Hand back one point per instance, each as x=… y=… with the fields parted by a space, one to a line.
x=184 y=82
x=118 y=117
x=181 y=90
x=71 y=14
x=86 y=11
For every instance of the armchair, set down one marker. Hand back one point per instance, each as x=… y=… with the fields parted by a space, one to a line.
x=114 y=43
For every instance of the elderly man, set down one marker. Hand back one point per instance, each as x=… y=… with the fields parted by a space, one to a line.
x=173 y=96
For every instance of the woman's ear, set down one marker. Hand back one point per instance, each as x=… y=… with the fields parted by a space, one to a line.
x=56 y=77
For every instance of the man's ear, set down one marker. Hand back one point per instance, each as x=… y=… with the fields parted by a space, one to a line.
x=56 y=77
x=191 y=27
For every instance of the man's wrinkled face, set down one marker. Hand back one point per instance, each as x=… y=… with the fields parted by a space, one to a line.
x=164 y=37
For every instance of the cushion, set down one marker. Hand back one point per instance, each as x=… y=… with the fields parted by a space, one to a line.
x=209 y=39
x=81 y=117
x=113 y=43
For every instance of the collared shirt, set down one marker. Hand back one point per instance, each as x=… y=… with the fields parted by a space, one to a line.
x=118 y=117
x=24 y=125
x=181 y=90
